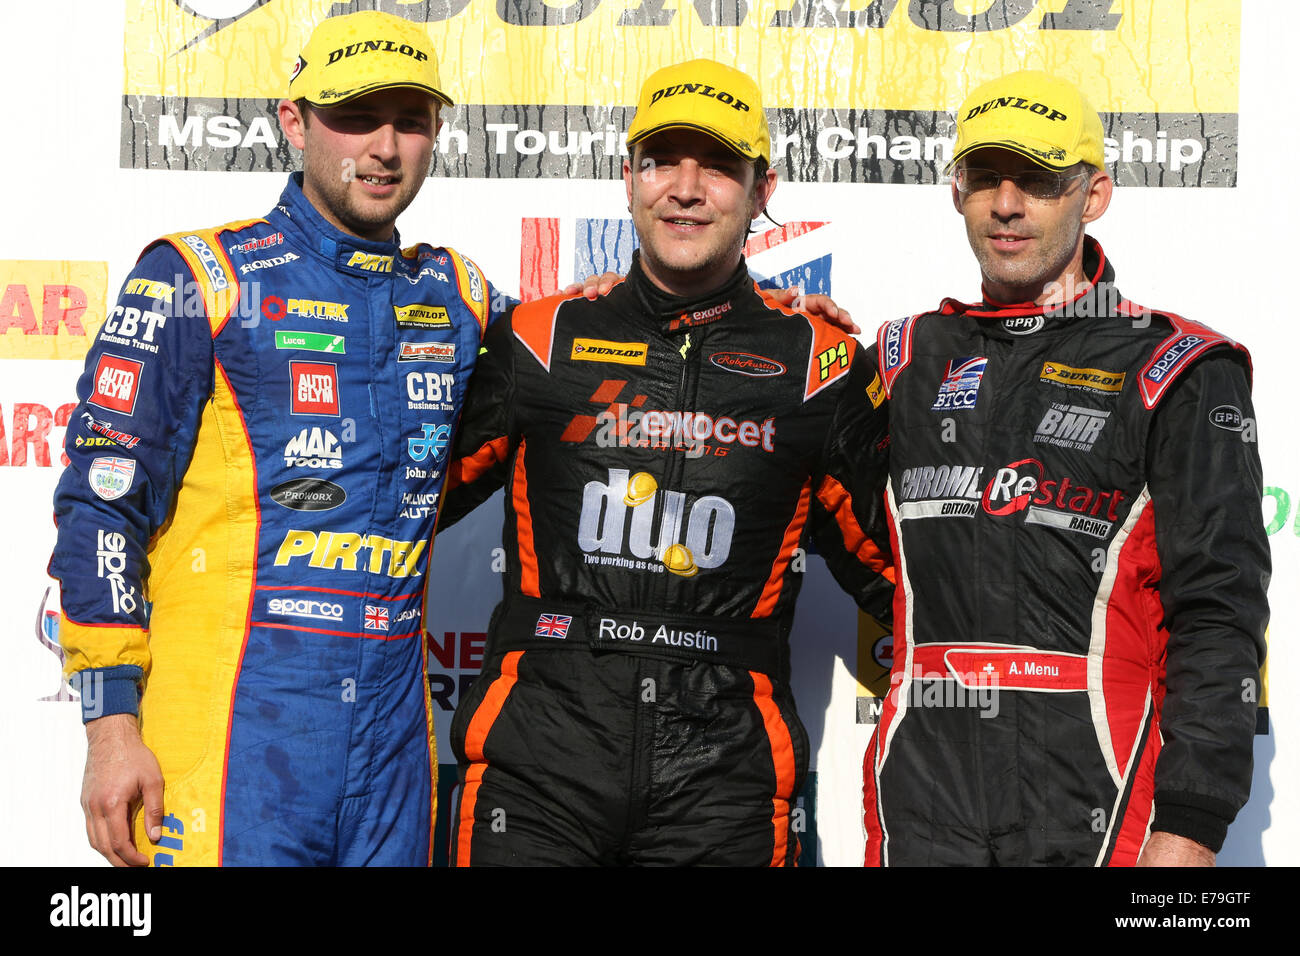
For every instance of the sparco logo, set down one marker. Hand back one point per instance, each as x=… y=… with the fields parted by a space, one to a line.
x=893 y=343
x=1023 y=324
x=111 y=553
x=747 y=364
x=684 y=544
x=1161 y=366
x=301 y=607
x=211 y=266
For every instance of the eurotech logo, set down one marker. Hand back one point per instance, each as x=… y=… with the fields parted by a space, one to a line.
x=791 y=255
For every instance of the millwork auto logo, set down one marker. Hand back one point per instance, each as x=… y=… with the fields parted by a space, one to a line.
x=203 y=78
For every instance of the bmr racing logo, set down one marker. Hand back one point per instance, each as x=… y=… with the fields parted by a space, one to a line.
x=628 y=425
x=685 y=543
x=1071 y=426
x=344 y=551
x=947 y=491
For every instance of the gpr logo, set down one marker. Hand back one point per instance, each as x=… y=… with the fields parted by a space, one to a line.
x=608 y=538
x=315 y=388
x=116 y=382
x=111 y=552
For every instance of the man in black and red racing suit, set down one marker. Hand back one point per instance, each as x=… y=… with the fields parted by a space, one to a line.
x=1074 y=499
x=664 y=457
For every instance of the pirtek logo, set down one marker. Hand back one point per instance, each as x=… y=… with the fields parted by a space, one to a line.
x=371 y=262
x=703 y=90
x=373 y=46
x=1019 y=103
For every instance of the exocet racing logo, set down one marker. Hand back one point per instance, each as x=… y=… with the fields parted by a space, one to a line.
x=117 y=382
x=350 y=551
x=304 y=607
x=689 y=320
x=111 y=552
x=432 y=440
x=216 y=274
x=315 y=388
x=684 y=543
x=1071 y=426
x=960 y=386
x=627 y=425
x=313 y=448
x=598 y=350
x=961 y=491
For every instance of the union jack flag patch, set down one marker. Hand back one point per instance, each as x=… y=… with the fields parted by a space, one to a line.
x=553 y=625
x=376 y=618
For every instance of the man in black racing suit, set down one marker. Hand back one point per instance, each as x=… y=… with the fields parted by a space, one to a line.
x=665 y=450
x=1074 y=500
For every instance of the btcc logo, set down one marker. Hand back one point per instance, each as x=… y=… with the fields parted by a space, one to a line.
x=599 y=350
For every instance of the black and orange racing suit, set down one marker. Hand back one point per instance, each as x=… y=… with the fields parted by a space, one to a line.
x=664 y=460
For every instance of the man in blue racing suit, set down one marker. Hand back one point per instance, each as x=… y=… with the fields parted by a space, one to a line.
x=256 y=462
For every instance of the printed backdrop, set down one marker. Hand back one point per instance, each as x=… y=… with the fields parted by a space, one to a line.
x=110 y=145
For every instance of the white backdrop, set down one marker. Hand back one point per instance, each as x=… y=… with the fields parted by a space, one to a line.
x=1222 y=256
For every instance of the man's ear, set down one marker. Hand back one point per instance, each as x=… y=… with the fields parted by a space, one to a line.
x=293 y=123
x=763 y=189
x=1100 y=190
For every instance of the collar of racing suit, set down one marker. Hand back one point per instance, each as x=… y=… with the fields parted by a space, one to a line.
x=1097 y=296
x=344 y=252
x=679 y=313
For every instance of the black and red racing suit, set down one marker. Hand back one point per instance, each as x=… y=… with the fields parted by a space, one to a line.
x=663 y=461
x=1079 y=620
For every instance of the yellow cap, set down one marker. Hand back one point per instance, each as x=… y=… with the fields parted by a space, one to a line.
x=353 y=55
x=707 y=96
x=1037 y=115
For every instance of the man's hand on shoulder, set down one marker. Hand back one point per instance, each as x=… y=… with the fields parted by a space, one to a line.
x=822 y=306
x=1169 y=849
x=121 y=773
x=593 y=286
